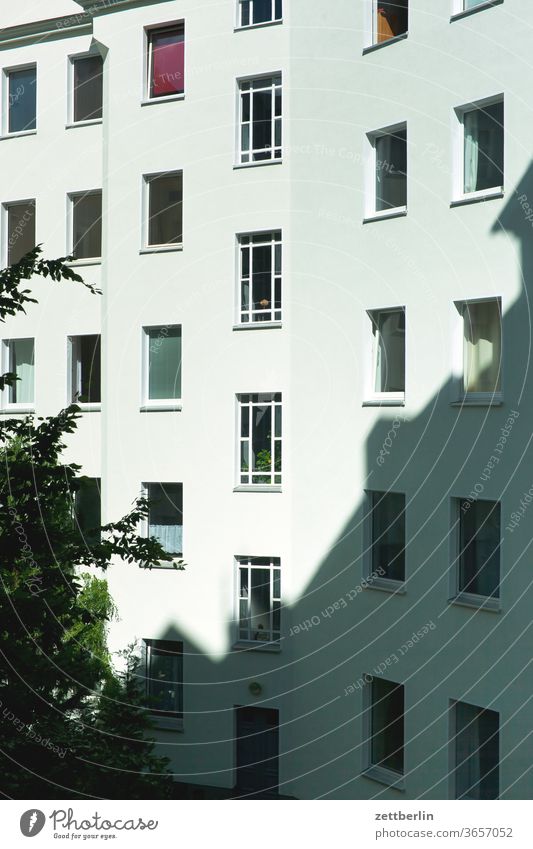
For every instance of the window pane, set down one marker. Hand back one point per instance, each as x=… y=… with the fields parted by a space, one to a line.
x=262 y=11
x=476 y=752
x=391 y=170
x=482 y=347
x=483 y=130
x=262 y=120
x=479 y=570
x=165 y=520
x=164 y=363
x=88 y=88
x=390 y=19
x=21 y=230
x=87 y=506
x=167 y=73
x=262 y=438
x=164 y=676
x=387 y=727
x=388 y=535
x=260 y=604
x=89 y=365
x=165 y=210
x=390 y=352
x=87 y=226
x=262 y=280
x=21 y=363
x=22 y=100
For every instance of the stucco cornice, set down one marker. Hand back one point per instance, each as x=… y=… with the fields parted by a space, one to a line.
x=80 y=24
x=99 y=7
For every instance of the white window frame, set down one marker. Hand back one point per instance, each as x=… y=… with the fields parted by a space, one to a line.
x=5 y=100
x=371 y=770
x=273 y=564
x=370 y=29
x=458 y=193
x=459 y=395
x=370 y=160
x=273 y=20
x=71 y=198
x=170 y=721
x=271 y=237
x=145 y=208
x=147 y=61
x=459 y=506
x=5 y=225
x=71 y=60
x=452 y=735
x=7 y=346
x=272 y=76
x=371 y=397
x=145 y=523
x=276 y=478
x=74 y=372
x=148 y=404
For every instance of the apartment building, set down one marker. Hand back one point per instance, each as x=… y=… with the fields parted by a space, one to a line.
x=311 y=224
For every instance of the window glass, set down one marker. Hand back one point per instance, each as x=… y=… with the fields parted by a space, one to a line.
x=483 y=148
x=387 y=724
x=476 y=752
x=87 y=225
x=479 y=559
x=261 y=119
x=261 y=277
x=164 y=677
x=165 y=209
x=22 y=96
x=482 y=346
x=388 y=535
x=389 y=330
x=167 y=61
x=259 y=599
x=164 y=363
x=86 y=364
x=21 y=363
x=391 y=170
x=390 y=19
x=21 y=230
x=87 y=508
x=88 y=88
x=165 y=519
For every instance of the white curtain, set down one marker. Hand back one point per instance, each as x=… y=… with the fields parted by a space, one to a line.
x=471 y=123
x=482 y=347
x=467 y=752
x=170 y=537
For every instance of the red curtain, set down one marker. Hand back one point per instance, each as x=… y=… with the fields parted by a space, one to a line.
x=168 y=66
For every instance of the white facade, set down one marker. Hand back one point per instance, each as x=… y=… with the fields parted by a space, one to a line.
x=341 y=438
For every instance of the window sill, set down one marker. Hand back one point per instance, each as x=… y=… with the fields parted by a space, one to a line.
x=168 y=565
x=18 y=135
x=255 y=645
x=385 y=776
x=385 y=402
x=477 y=602
x=150 y=101
x=397 y=212
x=378 y=45
x=93 y=123
x=385 y=585
x=482 y=400
x=79 y=263
x=257 y=487
x=261 y=164
x=478 y=197
x=88 y=408
x=161 y=249
x=14 y=410
x=167 y=723
x=465 y=13
x=258 y=26
x=258 y=325
x=170 y=407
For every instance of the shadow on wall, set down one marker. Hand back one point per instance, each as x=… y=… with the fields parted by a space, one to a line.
x=341 y=632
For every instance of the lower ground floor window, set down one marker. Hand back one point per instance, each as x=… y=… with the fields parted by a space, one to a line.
x=164 y=677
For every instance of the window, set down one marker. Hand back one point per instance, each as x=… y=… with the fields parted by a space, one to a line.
x=87 y=509
x=87 y=88
x=164 y=194
x=479 y=548
x=475 y=744
x=386 y=725
x=162 y=365
x=260 y=277
x=260 y=439
x=259 y=614
x=481 y=331
x=164 y=677
x=251 y=12
x=388 y=354
x=483 y=146
x=260 y=119
x=87 y=225
x=85 y=369
x=388 y=184
x=165 y=517
x=20 y=235
x=388 y=535
x=20 y=356
x=389 y=19
x=21 y=100
x=166 y=61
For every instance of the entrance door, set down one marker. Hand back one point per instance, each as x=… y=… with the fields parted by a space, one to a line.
x=257 y=751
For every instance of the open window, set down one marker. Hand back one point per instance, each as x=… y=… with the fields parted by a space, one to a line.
x=165 y=61
x=387 y=175
x=480 y=149
x=389 y=19
x=85 y=370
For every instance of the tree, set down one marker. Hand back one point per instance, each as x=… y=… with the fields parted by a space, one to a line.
x=69 y=725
